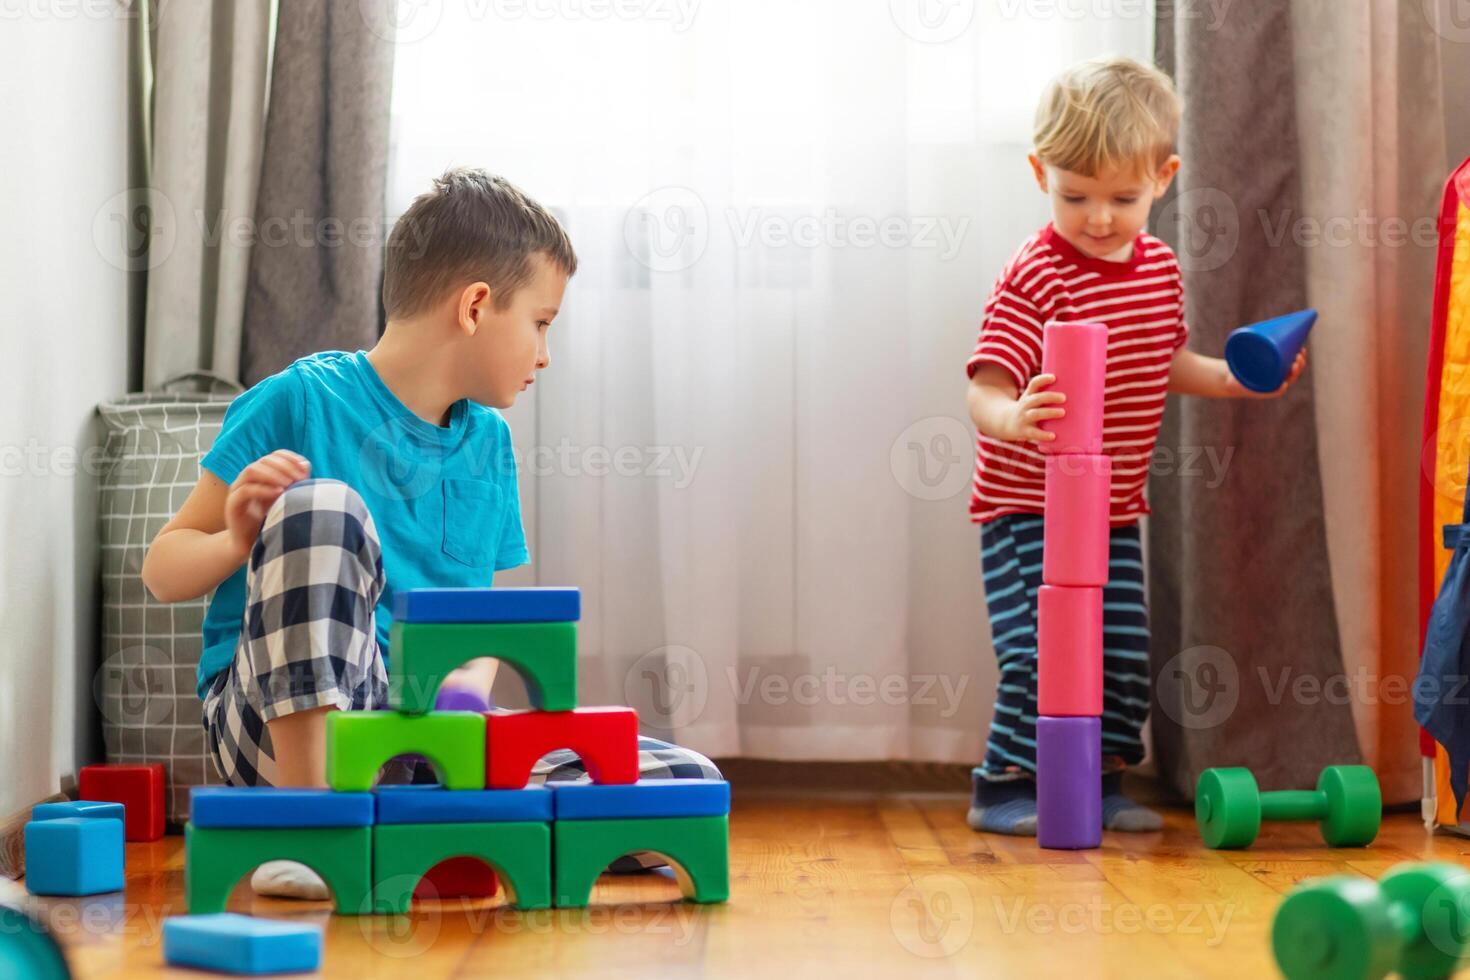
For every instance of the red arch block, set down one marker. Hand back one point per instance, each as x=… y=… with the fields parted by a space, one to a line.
x=605 y=738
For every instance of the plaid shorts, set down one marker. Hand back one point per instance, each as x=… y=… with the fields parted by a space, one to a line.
x=309 y=640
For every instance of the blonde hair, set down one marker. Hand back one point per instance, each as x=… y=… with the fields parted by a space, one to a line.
x=1107 y=113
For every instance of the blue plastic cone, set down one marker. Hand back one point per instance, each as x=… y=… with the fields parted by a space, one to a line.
x=1261 y=355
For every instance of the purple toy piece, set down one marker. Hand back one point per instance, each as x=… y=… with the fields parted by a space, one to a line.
x=1068 y=782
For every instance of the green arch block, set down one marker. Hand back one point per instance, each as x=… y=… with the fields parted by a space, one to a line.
x=421 y=655
x=520 y=853
x=698 y=849
x=359 y=742
x=216 y=858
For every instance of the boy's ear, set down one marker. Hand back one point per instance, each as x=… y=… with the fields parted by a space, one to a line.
x=1039 y=169
x=474 y=307
x=1165 y=176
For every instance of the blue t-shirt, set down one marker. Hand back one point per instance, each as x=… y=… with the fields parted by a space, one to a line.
x=443 y=498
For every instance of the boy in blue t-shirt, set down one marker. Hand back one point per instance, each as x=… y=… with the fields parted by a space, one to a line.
x=348 y=476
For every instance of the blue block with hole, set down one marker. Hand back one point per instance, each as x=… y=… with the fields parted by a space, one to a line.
x=74 y=856
x=645 y=798
x=91 y=809
x=241 y=944
x=487 y=605
x=435 y=804
x=272 y=806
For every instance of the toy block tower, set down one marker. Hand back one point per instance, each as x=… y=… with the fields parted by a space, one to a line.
x=374 y=847
x=1069 y=605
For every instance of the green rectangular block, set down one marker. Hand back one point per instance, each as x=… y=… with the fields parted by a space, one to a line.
x=359 y=742
x=421 y=655
x=216 y=858
x=520 y=853
x=697 y=848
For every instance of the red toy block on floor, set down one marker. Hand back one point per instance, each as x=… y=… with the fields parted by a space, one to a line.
x=459 y=877
x=138 y=788
x=605 y=738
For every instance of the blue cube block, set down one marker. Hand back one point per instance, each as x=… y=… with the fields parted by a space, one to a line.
x=271 y=806
x=74 y=856
x=93 y=809
x=645 y=798
x=435 y=804
x=487 y=605
x=241 y=944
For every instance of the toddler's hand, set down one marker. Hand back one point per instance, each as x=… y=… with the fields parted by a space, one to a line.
x=1031 y=409
x=253 y=492
x=1235 y=389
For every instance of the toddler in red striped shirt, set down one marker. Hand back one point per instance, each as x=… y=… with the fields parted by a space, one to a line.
x=1104 y=153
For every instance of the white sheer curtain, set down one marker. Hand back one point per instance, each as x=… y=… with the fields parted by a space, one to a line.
x=751 y=449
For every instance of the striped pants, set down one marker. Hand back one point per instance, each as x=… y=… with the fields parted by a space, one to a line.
x=1010 y=555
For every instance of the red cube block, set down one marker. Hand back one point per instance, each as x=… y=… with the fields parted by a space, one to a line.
x=138 y=788
x=457 y=877
x=605 y=738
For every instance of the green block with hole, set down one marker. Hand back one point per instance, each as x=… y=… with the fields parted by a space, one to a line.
x=697 y=848
x=520 y=853
x=359 y=742
x=421 y=655
x=216 y=858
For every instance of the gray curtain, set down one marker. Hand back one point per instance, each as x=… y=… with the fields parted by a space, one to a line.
x=1240 y=583
x=316 y=267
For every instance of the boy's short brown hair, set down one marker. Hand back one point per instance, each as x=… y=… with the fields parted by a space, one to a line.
x=1107 y=113
x=470 y=227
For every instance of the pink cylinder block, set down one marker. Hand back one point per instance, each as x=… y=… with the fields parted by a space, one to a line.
x=1069 y=637
x=1077 y=353
x=1077 y=510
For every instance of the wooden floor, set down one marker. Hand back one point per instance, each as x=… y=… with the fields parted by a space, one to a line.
x=855 y=886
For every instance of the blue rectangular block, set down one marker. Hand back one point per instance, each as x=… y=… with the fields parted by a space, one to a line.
x=487 y=606
x=646 y=798
x=241 y=944
x=435 y=804
x=74 y=856
x=271 y=806
x=93 y=809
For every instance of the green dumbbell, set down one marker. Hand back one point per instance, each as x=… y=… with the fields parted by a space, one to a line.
x=1229 y=807
x=1415 y=921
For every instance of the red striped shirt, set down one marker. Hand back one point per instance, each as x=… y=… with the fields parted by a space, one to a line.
x=1142 y=303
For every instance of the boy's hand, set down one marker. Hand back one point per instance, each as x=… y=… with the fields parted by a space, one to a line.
x=253 y=492
x=1234 y=389
x=1031 y=409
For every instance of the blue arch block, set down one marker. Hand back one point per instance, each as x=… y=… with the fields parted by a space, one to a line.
x=645 y=798
x=487 y=606
x=435 y=804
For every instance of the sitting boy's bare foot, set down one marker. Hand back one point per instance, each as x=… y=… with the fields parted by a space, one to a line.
x=288 y=879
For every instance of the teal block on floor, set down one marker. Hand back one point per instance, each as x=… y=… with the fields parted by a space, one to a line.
x=241 y=944
x=92 y=809
x=74 y=856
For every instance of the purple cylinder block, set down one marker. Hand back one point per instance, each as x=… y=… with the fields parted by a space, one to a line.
x=1068 y=782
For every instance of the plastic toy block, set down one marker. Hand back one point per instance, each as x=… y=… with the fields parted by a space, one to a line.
x=1414 y=921
x=138 y=788
x=1069 y=637
x=487 y=606
x=1229 y=807
x=461 y=877
x=74 y=856
x=1078 y=490
x=215 y=858
x=1077 y=353
x=91 y=809
x=268 y=806
x=643 y=799
x=605 y=738
x=27 y=948
x=1068 y=782
x=230 y=943
x=519 y=853
x=1260 y=355
x=698 y=849
x=421 y=655
x=359 y=742
x=435 y=804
